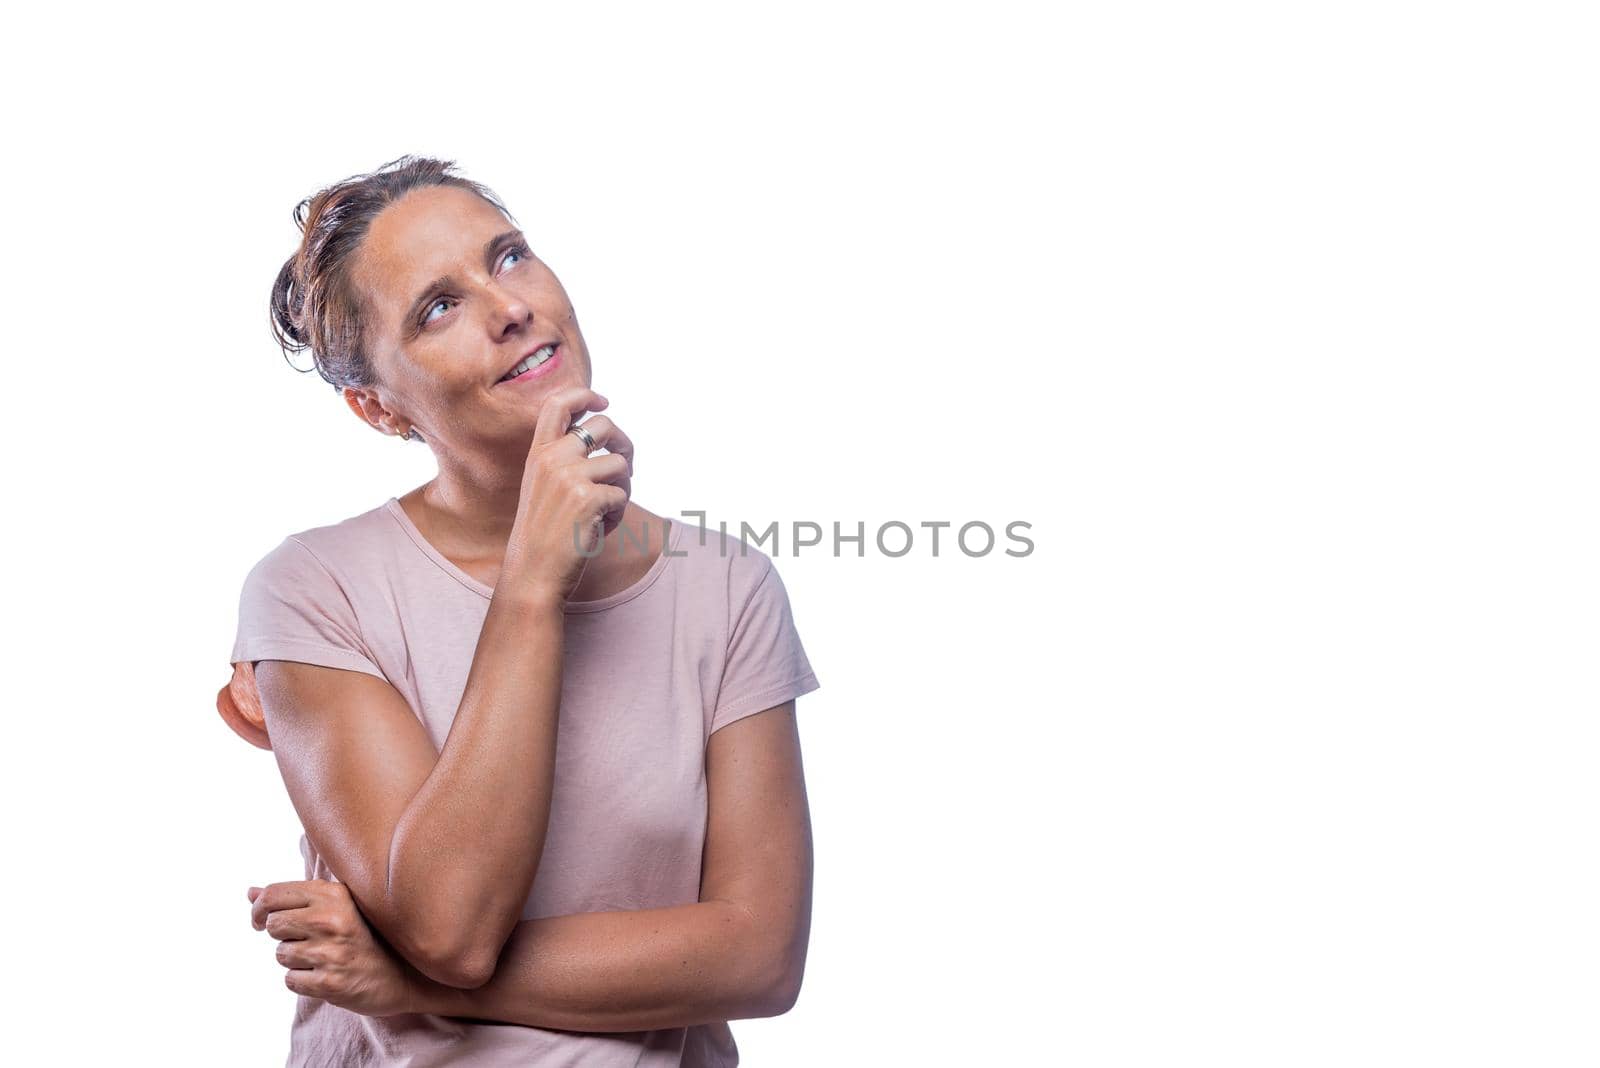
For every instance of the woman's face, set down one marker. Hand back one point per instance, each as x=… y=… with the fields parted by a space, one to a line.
x=453 y=300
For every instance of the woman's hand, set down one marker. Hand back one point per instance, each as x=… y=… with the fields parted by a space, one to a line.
x=569 y=500
x=330 y=951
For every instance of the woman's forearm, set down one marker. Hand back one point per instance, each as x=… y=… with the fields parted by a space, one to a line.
x=465 y=852
x=628 y=971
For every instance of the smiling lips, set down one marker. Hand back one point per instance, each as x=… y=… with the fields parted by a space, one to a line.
x=537 y=363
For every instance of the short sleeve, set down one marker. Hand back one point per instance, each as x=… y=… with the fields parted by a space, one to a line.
x=292 y=608
x=766 y=663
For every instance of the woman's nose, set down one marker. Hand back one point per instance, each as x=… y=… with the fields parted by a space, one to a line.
x=510 y=309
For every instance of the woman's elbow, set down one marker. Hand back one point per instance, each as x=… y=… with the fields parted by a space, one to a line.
x=448 y=943
x=777 y=1000
x=464 y=970
x=771 y=965
x=780 y=989
x=451 y=960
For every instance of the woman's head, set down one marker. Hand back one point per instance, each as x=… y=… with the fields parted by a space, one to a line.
x=416 y=293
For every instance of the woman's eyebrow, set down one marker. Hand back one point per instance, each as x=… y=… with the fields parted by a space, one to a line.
x=444 y=282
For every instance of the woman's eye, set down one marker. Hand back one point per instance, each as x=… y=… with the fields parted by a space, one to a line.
x=428 y=316
x=519 y=251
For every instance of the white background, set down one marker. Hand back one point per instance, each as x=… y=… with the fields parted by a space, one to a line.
x=1276 y=321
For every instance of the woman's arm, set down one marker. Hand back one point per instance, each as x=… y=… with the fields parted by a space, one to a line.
x=434 y=846
x=440 y=849
x=740 y=952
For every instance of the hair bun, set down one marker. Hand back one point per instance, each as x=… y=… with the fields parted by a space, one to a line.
x=288 y=318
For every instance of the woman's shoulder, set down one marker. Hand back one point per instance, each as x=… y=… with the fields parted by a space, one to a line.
x=351 y=528
x=338 y=545
x=720 y=555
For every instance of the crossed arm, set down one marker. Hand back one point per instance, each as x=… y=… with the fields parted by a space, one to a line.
x=738 y=952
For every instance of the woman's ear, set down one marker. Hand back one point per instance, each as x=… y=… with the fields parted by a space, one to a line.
x=240 y=706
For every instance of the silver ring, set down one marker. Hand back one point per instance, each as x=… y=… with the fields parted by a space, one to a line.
x=588 y=438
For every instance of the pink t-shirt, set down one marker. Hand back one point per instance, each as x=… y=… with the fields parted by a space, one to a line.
x=705 y=638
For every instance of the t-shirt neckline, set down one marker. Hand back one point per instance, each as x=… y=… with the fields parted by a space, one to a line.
x=674 y=535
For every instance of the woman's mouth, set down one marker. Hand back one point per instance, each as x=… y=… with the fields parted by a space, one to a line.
x=543 y=361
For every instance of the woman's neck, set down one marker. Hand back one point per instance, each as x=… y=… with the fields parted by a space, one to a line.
x=470 y=526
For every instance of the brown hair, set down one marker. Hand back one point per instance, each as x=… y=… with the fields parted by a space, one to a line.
x=314 y=304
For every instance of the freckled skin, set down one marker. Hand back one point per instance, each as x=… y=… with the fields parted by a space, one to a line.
x=440 y=377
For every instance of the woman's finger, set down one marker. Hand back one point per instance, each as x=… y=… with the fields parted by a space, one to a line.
x=561 y=408
x=292 y=924
x=297 y=955
x=607 y=435
x=616 y=442
x=611 y=469
x=303 y=981
x=277 y=896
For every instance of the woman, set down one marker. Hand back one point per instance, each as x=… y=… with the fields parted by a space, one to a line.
x=481 y=886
